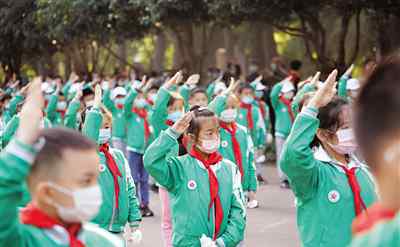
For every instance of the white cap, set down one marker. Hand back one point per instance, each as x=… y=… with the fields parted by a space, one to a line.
x=219 y=87
x=260 y=86
x=47 y=88
x=118 y=91
x=287 y=86
x=353 y=84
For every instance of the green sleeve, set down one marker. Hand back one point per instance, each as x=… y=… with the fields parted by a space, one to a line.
x=184 y=91
x=252 y=167
x=15 y=165
x=129 y=101
x=261 y=131
x=108 y=102
x=135 y=216
x=274 y=95
x=210 y=91
x=51 y=109
x=299 y=97
x=165 y=170
x=342 y=91
x=66 y=87
x=160 y=112
x=297 y=160
x=10 y=130
x=217 y=105
x=92 y=124
x=234 y=232
x=70 y=119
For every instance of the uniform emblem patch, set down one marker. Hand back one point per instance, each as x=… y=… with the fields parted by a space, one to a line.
x=224 y=144
x=333 y=196
x=192 y=185
x=102 y=168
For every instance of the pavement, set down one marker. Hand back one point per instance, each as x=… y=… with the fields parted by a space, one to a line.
x=273 y=224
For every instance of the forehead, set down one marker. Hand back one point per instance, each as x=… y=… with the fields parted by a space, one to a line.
x=199 y=95
x=208 y=123
x=247 y=90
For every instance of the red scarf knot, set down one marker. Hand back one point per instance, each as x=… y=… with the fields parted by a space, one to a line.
x=113 y=167
x=249 y=115
x=120 y=106
x=212 y=159
x=288 y=104
x=169 y=122
x=359 y=204
x=235 y=144
x=31 y=215
x=142 y=113
x=371 y=217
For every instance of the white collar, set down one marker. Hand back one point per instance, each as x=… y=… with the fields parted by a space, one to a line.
x=214 y=168
x=321 y=155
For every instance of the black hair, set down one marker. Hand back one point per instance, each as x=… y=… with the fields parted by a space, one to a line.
x=295 y=64
x=244 y=86
x=329 y=116
x=377 y=109
x=172 y=100
x=194 y=126
x=56 y=141
x=196 y=91
x=154 y=87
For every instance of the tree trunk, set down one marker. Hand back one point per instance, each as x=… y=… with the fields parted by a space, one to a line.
x=157 y=61
x=388 y=37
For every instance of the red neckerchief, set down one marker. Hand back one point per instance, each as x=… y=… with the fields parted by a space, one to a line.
x=62 y=112
x=150 y=102
x=262 y=108
x=371 y=217
x=213 y=159
x=249 y=108
x=235 y=144
x=112 y=166
x=31 y=215
x=288 y=104
x=169 y=122
x=142 y=113
x=359 y=204
x=119 y=106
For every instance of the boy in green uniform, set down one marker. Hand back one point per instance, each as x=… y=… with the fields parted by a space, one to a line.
x=120 y=205
x=281 y=99
x=331 y=185
x=205 y=190
x=61 y=172
x=377 y=130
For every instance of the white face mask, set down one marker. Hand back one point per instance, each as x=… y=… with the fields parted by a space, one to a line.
x=153 y=97
x=61 y=105
x=209 y=146
x=228 y=115
x=87 y=202
x=346 y=142
x=104 y=135
x=119 y=101
x=247 y=99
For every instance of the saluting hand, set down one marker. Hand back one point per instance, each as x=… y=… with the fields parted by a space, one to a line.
x=182 y=124
x=326 y=92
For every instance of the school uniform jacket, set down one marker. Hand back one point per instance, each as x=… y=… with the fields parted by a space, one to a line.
x=283 y=122
x=109 y=217
x=187 y=182
x=118 y=117
x=324 y=199
x=15 y=165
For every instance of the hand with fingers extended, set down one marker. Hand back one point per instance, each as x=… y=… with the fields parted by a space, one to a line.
x=182 y=124
x=175 y=80
x=325 y=93
x=315 y=80
x=31 y=114
x=349 y=71
x=232 y=86
x=97 y=96
x=73 y=77
x=79 y=93
x=193 y=80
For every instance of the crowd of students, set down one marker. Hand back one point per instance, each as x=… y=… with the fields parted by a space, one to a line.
x=79 y=158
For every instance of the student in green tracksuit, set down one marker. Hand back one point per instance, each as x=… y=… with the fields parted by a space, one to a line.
x=114 y=101
x=72 y=117
x=249 y=115
x=236 y=143
x=61 y=169
x=11 y=108
x=377 y=130
x=200 y=214
x=120 y=205
x=138 y=138
x=331 y=185
x=281 y=99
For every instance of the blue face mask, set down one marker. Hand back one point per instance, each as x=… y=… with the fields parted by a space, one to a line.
x=140 y=103
x=247 y=99
x=175 y=116
x=119 y=101
x=259 y=94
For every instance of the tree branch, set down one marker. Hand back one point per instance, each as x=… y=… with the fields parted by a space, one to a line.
x=357 y=40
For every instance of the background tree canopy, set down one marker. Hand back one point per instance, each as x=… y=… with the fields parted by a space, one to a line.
x=99 y=36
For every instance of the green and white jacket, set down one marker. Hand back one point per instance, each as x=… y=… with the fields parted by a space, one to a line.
x=187 y=182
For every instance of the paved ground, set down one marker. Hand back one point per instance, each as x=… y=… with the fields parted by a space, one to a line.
x=273 y=224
